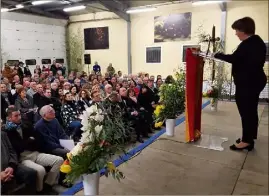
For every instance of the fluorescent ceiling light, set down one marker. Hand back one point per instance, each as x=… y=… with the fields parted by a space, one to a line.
x=139 y=10
x=75 y=8
x=19 y=6
x=40 y=2
x=205 y=2
x=4 y=9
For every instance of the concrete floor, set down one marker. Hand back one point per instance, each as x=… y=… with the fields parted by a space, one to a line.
x=169 y=166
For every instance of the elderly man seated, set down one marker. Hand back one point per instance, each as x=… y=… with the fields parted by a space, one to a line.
x=108 y=90
x=27 y=151
x=49 y=132
x=13 y=173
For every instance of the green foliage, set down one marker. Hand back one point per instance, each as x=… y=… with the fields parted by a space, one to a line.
x=213 y=92
x=218 y=67
x=75 y=49
x=172 y=97
x=99 y=147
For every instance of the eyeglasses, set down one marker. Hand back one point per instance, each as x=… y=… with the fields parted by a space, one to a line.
x=51 y=111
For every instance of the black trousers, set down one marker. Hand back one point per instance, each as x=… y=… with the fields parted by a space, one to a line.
x=22 y=174
x=247 y=99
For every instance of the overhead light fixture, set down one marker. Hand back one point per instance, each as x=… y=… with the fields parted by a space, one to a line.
x=205 y=2
x=140 y=10
x=4 y=9
x=40 y=2
x=75 y=8
x=19 y=6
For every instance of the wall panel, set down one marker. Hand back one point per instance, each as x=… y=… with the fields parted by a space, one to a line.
x=30 y=37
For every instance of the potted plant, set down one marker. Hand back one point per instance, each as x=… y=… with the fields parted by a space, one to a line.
x=102 y=138
x=213 y=93
x=172 y=100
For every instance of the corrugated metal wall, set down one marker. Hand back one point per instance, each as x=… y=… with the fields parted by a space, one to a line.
x=31 y=37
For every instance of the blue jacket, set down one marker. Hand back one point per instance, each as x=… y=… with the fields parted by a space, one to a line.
x=48 y=134
x=96 y=68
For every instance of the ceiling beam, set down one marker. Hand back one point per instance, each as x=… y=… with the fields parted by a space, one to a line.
x=36 y=10
x=223 y=6
x=117 y=7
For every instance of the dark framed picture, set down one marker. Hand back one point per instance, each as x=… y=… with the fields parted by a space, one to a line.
x=30 y=62
x=13 y=62
x=46 y=61
x=60 y=61
x=96 y=38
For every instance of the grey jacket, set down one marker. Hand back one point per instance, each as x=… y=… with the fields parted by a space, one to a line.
x=24 y=106
x=8 y=155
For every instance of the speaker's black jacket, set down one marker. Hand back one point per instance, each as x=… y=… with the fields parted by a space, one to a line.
x=247 y=62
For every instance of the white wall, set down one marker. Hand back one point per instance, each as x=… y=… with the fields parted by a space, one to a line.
x=142 y=26
x=117 y=52
x=32 y=37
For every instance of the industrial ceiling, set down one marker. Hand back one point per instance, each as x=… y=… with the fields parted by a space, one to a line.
x=54 y=9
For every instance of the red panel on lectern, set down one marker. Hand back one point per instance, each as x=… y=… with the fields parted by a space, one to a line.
x=194 y=85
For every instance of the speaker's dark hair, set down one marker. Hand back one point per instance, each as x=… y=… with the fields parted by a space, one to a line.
x=246 y=25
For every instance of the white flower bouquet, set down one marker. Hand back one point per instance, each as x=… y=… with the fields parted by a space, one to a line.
x=101 y=139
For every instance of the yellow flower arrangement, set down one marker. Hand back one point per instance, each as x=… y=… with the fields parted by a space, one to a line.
x=158 y=124
x=158 y=109
x=157 y=112
x=65 y=167
x=111 y=167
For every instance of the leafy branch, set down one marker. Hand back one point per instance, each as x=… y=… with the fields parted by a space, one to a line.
x=75 y=49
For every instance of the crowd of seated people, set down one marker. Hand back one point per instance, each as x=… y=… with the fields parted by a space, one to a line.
x=40 y=109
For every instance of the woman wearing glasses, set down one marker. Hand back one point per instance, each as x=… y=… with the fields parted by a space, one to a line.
x=249 y=78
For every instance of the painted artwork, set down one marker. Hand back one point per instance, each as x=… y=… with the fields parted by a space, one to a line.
x=175 y=27
x=96 y=38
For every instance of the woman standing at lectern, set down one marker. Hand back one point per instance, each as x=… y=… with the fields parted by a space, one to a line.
x=249 y=78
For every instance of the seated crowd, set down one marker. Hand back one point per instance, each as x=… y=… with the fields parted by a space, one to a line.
x=38 y=111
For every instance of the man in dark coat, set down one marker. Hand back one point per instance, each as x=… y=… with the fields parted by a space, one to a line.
x=13 y=173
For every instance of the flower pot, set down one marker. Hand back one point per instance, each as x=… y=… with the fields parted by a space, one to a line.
x=214 y=104
x=91 y=183
x=170 y=127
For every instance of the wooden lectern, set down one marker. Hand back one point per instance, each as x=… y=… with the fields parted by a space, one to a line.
x=194 y=86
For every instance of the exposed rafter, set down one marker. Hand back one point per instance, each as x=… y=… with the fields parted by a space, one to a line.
x=36 y=10
x=117 y=7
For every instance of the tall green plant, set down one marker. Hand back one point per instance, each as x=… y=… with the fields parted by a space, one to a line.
x=172 y=97
x=75 y=49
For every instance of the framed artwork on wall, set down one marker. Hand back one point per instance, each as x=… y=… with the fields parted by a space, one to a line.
x=96 y=38
x=173 y=27
x=13 y=62
x=153 y=54
x=184 y=49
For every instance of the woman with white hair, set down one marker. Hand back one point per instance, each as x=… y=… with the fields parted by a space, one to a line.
x=67 y=87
